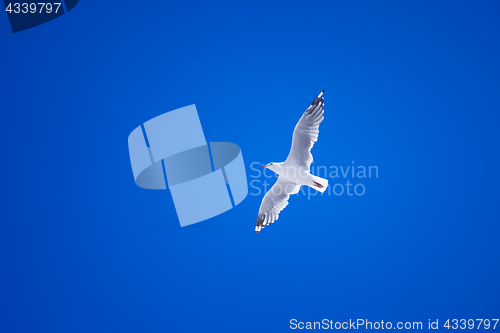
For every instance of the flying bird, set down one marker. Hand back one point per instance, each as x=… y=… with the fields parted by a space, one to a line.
x=295 y=171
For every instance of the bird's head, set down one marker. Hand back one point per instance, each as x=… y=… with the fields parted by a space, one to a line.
x=274 y=166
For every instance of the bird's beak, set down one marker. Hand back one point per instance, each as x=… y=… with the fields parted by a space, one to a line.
x=264 y=165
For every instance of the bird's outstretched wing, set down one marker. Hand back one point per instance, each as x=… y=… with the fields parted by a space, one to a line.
x=305 y=134
x=274 y=201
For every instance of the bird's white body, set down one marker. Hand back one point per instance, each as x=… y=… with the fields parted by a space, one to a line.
x=298 y=175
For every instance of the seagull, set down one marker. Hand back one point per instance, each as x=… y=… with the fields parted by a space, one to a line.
x=294 y=172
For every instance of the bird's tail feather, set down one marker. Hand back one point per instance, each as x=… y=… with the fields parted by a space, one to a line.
x=319 y=184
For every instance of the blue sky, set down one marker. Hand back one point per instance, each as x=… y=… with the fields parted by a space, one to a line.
x=411 y=87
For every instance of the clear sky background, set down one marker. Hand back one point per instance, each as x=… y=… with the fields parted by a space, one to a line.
x=412 y=87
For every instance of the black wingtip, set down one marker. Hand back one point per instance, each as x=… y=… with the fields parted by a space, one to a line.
x=320 y=95
x=260 y=218
x=316 y=101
